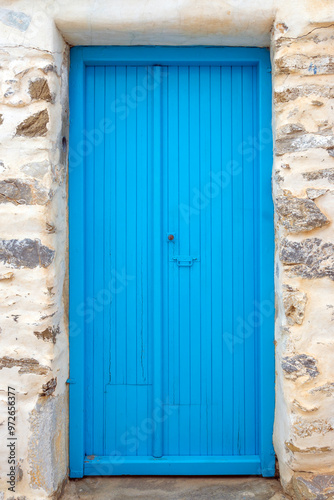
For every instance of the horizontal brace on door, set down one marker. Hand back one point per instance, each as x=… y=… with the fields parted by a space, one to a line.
x=184 y=261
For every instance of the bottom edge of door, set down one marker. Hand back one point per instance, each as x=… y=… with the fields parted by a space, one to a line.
x=175 y=466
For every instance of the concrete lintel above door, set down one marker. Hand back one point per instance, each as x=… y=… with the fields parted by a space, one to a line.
x=127 y=22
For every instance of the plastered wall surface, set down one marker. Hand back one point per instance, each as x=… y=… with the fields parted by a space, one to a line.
x=34 y=55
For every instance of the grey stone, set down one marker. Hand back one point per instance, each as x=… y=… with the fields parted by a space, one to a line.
x=326 y=173
x=305 y=65
x=25 y=253
x=325 y=128
x=299 y=366
x=292 y=93
x=35 y=125
x=49 y=388
x=313 y=194
x=327 y=389
x=294 y=142
x=306 y=427
x=19 y=473
x=311 y=258
x=313 y=487
x=299 y=214
x=278 y=177
x=330 y=151
x=15 y=19
x=1 y=119
x=49 y=68
x=294 y=303
x=36 y=169
x=20 y=192
x=47 y=457
x=290 y=128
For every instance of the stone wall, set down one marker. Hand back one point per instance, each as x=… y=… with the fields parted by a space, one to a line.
x=303 y=182
x=33 y=201
x=33 y=166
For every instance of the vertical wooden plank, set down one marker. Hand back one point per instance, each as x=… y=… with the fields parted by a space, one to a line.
x=207 y=299
x=142 y=241
x=109 y=261
x=205 y=263
x=173 y=209
x=167 y=249
x=99 y=248
x=192 y=216
x=214 y=192
x=250 y=315
x=110 y=227
x=111 y=420
x=184 y=272
x=156 y=262
x=238 y=266
x=77 y=90
x=131 y=440
x=257 y=256
x=143 y=439
x=132 y=240
x=226 y=180
x=142 y=227
x=150 y=245
x=89 y=264
x=121 y=419
x=120 y=227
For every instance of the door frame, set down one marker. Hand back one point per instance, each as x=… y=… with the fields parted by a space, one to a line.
x=137 y=56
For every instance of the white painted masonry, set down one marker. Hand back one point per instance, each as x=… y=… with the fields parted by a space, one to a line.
x=34 y=51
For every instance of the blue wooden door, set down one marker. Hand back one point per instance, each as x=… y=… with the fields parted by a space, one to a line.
x=176 y=247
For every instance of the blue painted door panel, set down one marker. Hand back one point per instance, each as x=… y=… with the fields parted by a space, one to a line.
x=118 y=256
x=209 y=203
x=173 y=328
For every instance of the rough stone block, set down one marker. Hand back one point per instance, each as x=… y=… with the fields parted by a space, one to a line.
x=25 y=253
x=311 y=258
x=35 y=125
x=21 y=192
x=313 y=487
x=299 y=214
x=294 y=303
x=299 y=366
x=39 y=90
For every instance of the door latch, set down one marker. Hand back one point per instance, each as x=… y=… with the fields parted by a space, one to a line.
x=184 y=261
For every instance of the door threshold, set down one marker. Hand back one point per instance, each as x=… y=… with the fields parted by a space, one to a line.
x=172 y=465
